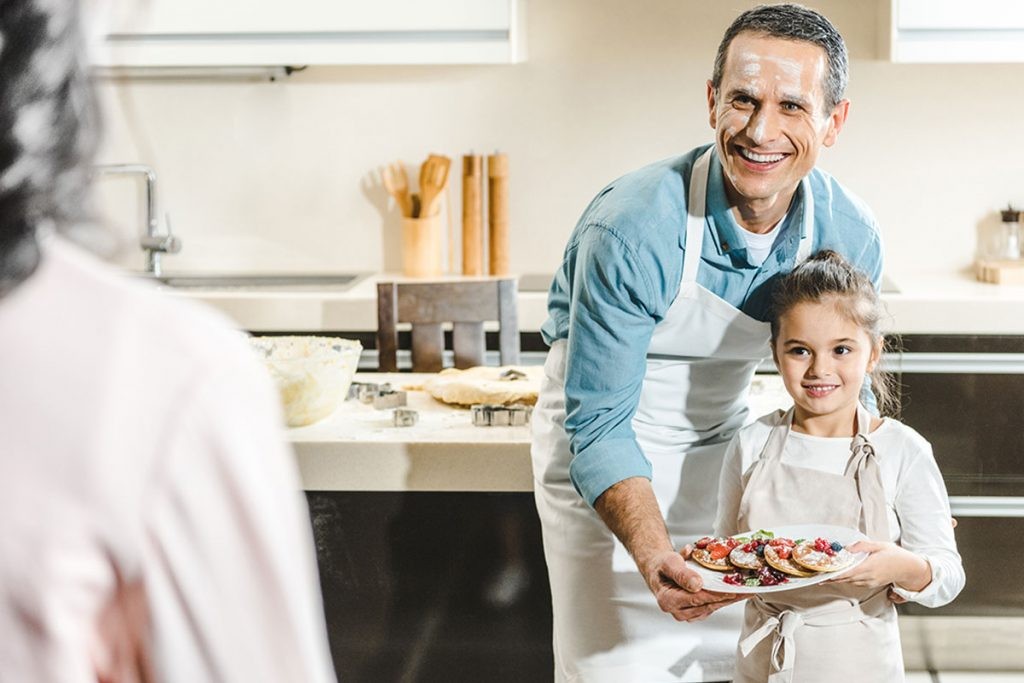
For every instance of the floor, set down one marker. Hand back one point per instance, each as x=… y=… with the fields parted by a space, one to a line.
x=965 y=677
x=406 y=579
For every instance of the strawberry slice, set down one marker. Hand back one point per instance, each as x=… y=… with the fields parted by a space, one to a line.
x=703 y=543
x=719 y=549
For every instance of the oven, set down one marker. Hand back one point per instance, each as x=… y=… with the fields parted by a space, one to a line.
x=965 y=394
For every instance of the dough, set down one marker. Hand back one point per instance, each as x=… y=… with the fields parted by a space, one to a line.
x=484 y=385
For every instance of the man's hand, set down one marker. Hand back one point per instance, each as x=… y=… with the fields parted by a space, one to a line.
x=630 y=510
x=678 y=589
x=887 y=564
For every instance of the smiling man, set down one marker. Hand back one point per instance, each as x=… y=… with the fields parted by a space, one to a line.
x=656 y=325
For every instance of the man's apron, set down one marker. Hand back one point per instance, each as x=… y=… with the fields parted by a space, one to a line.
x=701 y=358
x=785 y=639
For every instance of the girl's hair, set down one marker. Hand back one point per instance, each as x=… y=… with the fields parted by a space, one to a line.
x=827 y=276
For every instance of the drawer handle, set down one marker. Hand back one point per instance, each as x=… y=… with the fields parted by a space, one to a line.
x=987 y=506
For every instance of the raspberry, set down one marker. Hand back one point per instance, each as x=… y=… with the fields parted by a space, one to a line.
x=734 y=579
x=820 y=544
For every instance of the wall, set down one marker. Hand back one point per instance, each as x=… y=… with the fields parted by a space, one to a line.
x=282 y=176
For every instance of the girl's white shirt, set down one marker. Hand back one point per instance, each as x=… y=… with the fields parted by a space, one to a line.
x=916 y=500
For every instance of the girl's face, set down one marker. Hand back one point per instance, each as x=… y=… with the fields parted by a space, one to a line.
x=823 y=357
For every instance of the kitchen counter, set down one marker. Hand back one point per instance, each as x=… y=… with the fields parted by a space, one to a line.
x=358 y=449
x=926 y=303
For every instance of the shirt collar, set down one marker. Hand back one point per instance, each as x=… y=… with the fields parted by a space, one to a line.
x=726 y=233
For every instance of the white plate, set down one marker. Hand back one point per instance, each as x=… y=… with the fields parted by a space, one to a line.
x=713 y=580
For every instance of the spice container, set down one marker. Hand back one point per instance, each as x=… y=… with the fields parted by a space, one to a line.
x=1009 y=235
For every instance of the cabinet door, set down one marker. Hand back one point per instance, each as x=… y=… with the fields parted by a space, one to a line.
x=237 y=17
x=956 y=31
x=177 y=33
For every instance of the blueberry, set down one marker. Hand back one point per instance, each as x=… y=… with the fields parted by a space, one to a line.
x=837 y=546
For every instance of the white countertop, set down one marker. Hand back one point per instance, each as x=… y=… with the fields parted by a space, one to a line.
x=928 y=303
x=358 y=449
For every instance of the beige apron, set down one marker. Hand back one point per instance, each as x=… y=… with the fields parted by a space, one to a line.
x=702 y=355
x=830 y=630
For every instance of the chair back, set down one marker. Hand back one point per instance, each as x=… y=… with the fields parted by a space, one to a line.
x=429 y=305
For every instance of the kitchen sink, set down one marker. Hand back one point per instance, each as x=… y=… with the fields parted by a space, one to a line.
x=293 y=281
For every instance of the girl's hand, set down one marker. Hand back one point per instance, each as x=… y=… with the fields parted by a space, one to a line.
x=887 y=564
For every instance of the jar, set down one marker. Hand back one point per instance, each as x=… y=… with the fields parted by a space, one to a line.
x=1009 y=237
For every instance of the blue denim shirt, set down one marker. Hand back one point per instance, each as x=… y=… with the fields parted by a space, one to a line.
x=621 y=272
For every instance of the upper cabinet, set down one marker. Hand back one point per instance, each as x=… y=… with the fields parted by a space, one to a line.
x=954 y=30
x=186 y=33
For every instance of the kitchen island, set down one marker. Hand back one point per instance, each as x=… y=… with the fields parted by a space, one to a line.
x=358 y=449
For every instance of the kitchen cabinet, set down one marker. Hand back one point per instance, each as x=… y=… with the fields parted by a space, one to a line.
x=190 y=33
x=952 y=31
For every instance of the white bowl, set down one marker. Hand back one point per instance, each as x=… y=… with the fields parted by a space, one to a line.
x=313 y=374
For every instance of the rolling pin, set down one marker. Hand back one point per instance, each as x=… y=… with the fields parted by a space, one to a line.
x=472 y=214
x=497 y=214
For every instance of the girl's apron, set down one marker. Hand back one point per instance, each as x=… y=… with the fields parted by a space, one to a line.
x=701 y=358
x=784 y=636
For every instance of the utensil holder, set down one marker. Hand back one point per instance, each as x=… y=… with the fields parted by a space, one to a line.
x=421 y=246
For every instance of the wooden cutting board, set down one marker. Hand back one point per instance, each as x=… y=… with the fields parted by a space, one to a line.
x=1001 y=272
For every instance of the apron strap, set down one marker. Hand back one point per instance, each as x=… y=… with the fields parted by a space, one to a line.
x=782 y=624
x=863 y=467
x=696 y=204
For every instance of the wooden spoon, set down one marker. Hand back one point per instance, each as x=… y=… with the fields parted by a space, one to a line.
x=397 y=184
x=433 y=180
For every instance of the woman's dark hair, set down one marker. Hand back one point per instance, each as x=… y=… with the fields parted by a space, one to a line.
x=48 y=119
x=828 y=277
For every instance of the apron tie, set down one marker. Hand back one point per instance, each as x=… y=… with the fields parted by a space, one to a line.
x=782 y=623
x=782 y=627
x=864 y=467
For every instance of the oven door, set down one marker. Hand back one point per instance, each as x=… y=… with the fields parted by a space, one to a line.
x=970 y=406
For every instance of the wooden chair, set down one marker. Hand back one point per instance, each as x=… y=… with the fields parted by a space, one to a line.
x=427 y=305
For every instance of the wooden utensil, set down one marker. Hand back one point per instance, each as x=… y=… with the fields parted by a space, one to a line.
x=396 y=182
x=497 y=214
x=433 y=180
x=472 y=214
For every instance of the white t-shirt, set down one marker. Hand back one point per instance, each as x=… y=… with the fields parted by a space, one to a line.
x=915 y=495
x=144 y=470
x=759 y=245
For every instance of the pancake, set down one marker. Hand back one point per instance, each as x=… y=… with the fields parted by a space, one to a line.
x=745 y=559
x=703 y=558
x=807 y=557
x=786 y=566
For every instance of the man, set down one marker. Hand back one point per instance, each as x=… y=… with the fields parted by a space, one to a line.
x=656 y=324
x=153 y=524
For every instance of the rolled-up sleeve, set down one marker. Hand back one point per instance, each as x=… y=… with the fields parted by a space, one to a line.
x=610 y=327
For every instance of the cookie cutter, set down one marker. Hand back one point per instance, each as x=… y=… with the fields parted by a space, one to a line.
x=496 y=415
x=390 y=399
x=405 y=417
x=367 y=391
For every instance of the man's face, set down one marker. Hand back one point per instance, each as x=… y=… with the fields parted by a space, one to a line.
x=769 y=115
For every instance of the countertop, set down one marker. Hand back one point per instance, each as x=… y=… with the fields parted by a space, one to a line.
x=358 y=449
x=926 y=303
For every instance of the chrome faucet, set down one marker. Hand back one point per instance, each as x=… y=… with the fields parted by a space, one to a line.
x=152 y=242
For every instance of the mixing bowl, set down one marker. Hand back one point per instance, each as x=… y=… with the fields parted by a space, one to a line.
x=313 y=374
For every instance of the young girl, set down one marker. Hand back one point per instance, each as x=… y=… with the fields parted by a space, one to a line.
x=829 y=461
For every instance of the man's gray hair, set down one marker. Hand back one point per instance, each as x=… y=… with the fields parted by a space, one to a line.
x=792 y=22
x=48 y=124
